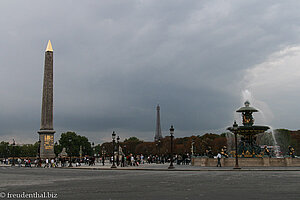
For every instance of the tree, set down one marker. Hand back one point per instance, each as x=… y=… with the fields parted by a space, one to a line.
x=131 y=144
x=27 y=150
x=4 y=149
x=72 y=142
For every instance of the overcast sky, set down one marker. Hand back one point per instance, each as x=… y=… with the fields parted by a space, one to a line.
x=114 y=61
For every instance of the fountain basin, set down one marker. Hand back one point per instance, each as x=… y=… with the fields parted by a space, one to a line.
x=247 y=162
x=248 y=130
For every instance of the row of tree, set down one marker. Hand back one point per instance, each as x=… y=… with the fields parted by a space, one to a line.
x=75 y=144
x=9 y=150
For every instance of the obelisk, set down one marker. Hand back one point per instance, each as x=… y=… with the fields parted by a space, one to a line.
x=158 y=134
x=46 y=132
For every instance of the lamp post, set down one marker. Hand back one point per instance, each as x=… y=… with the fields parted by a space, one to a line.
x=125 y=150
x=39 y=149
x=80 y=152
x=70 y=151
x=13 y=152
x=118 y=149
x=193 y=148
x=103 y=155
x=156 y=156
x=172 y=136
x=93 y=148
x=113 y=141
x=158 y=145
x=235 y=127
x=39 y=154
x=7 y=152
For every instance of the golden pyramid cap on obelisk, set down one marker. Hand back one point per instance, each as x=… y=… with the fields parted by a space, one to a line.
x=49 y=46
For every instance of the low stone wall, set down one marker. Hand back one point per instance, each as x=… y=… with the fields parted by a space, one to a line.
x=247 y=162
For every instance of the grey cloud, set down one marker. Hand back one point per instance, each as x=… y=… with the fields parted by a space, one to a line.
x=115 y=60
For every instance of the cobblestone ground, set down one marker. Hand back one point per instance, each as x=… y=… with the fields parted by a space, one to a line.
x=138 y=184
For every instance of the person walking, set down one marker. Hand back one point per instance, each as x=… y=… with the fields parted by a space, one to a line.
x=52 y=163
x=123 y=161
x=103 y=160
x=47 y=163
x=219 y=156
x=19 y=162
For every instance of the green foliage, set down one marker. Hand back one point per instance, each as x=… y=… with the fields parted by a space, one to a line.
x=98 y=149
x=72 y=142
x=27 y=150
x=57 y=148
x=4 y=149
x=131 y=144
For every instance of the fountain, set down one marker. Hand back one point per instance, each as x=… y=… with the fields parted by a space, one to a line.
x=247 y=153
x=247 y=147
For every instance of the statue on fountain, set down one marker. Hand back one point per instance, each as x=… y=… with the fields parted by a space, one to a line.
x=209 y=153
x=267 y=151
x=224 y=152
x=291 y=152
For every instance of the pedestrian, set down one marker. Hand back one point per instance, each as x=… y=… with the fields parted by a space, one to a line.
x=20 y=162
x=123 y=161
x=29 y=162
x=103 y=160
x=132 y=161
x=47 y=163
x=142 y=159
x=52 y=163
x=219 y=156
x=63 y=162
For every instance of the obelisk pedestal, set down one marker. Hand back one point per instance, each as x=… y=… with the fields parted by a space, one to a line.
x=46 y=132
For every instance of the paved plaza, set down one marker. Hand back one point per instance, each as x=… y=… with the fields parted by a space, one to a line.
x=151 y=184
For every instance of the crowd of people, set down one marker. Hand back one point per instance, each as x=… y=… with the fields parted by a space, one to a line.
x=121 y=160
x=136 y=160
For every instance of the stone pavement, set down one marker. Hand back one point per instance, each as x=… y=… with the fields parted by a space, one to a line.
x=80 y=184
x=164 y=167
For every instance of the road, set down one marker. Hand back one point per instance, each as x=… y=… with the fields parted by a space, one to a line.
x=138 y=184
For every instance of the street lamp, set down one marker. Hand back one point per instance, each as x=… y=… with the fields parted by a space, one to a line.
x=39 y=149
x=70 y=151
x=39 y=154
x=159 y=156
x=172 y=136
x=103 y=155
x=158 y=159
x=125 y=150
x=193 y=148
x=93 y=148
x=113 y=141
x=235 y=127
x=118 y=149
x=13 y=152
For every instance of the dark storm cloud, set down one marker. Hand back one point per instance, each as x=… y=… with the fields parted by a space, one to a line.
x=115 y=60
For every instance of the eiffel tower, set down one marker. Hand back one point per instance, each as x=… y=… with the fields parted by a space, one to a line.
x=158 y=134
